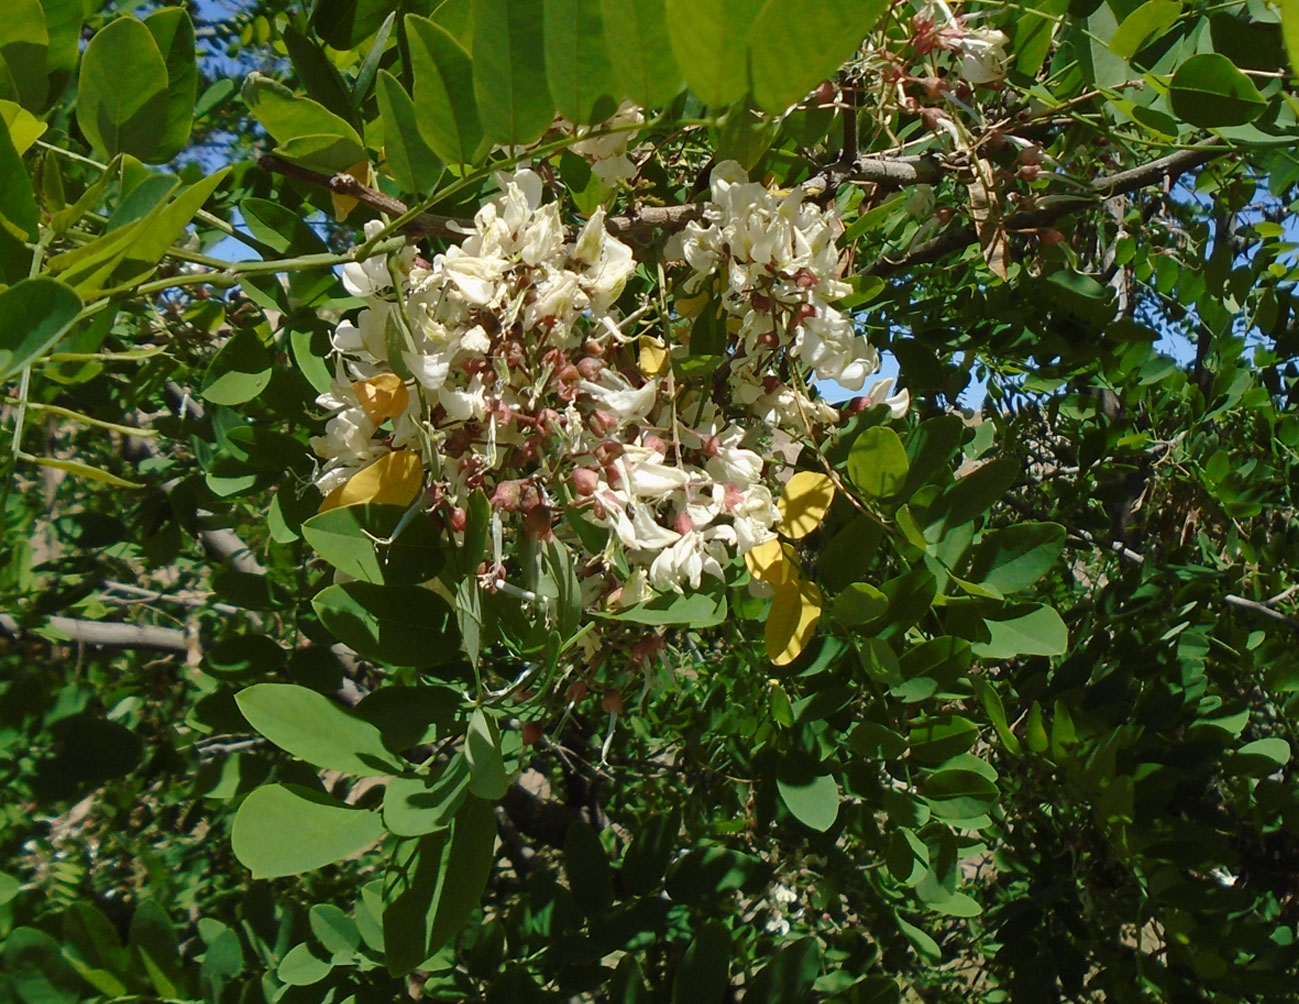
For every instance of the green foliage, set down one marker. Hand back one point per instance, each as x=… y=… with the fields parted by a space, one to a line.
x=1005 y=710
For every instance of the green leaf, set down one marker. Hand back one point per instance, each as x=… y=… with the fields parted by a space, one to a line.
x=699 y=610
x=1030 y=629
x=153 y=938
x=36 y=970
x=301 y=968
x=243 y=654
x=1149 y=20
x=812 y=798
x=433 y=885
x=334 y=929
x=411 y=162
x=858 y=603
x=445 y=107
x=640 y=50
x=24 y=40
x=652 y=847
x=123 y=104
x=579 y=68
x=173 y=32
x=509 y=66
x=34 y=315
x=410 y=716
x=924 y=945
x=239 y=372
x=586 y=865
x=710 y=39
x=788 y=977
x=400 y=625
x=345 y=537
x=310 y=726
x=1290 y=32
x=939 y=739
x=289 y=117
x=971 y=496
x=18 y=217
x=487 y=777
x=702 y=975
x=708 y=873
x=345 y=24
x=413 y=807
x=321 y=79
x=282 y=229
x=1014 y=558
x=287 y=830
x=877 y=463
x=796 y=45
x=1207 y=90
x=1260 y=757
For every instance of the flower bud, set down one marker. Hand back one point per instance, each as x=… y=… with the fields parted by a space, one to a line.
x=804 y=311
x=577 y=691
x=608 y=451
x=943 y=215
x=537 y=523
x=601 y=422
x=507 y=495
x=593 y=347
x=683 y=524
x=585 y=481
x=1029 y=172
x=655 y=443
x=458 y=520
x=612 y=702
x=531 y=734
x=1049 y=235
x=712 y=446
x=590 y=367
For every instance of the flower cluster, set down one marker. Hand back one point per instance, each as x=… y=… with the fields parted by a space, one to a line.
x=505 y=365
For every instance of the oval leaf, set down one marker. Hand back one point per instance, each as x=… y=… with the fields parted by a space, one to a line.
x=1207 y=90
x=804 y=501
x=313 y=728
x=282 y=830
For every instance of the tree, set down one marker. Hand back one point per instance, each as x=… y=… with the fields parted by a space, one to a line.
x=459 y=544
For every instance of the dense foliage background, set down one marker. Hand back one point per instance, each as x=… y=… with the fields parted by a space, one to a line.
x=1014 y=719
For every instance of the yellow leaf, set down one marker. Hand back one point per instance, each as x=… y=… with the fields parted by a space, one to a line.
x=769 y=562
x=692 y=306
x=24 y=127
x=804 y=503
x=394 y=479
x=344 y=204
x=654 y=359
x=791 y=622
x=383 y=396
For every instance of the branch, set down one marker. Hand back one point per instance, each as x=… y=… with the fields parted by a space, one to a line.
x=638 y=227
x=1105 y=187
x=1262 y=609
x=106 y=634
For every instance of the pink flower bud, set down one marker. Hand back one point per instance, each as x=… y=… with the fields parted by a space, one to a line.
x=683 y=524
x=655 y=443
x=590 y=367
x=585 y=481
x=712 y=446
x=601 y=422
x=458 y=520
x=507 y=495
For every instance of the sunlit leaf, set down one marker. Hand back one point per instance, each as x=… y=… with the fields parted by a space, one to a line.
x=791 y=622
x=803 y=503
x=394 y=479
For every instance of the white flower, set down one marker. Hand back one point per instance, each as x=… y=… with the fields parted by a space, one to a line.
x=897 y=404
x=617 y=395
x=984 y=55
x=687 y=560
